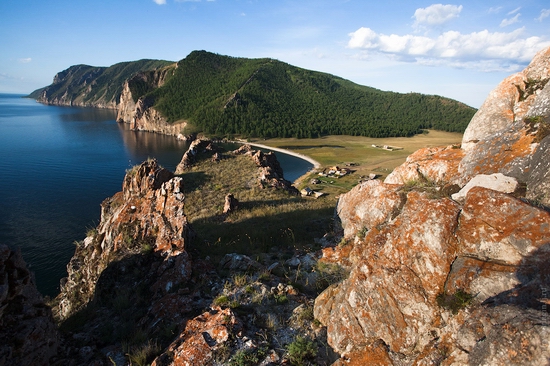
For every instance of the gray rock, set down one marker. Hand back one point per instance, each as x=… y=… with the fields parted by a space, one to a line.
x=497 y=182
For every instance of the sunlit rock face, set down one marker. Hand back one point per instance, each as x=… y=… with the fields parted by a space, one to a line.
x=440 y=281
x=147 y=216
x=510 y=133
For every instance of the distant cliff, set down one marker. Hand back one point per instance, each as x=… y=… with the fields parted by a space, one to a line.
x=449 y=256
x=90 y=86
x=224 y=96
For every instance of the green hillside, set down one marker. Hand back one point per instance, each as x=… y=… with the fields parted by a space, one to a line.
x=227 y=96
x=91 y=85
x=223 y=95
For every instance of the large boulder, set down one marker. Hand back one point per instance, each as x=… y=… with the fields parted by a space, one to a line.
x=435 y=280
x=510 y=133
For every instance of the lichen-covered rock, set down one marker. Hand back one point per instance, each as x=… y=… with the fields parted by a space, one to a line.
x=202 y=336
x=509 y=133
x=368 y=205
x=439 y=164
x=438 y=281
x=28 y=333
x=397 y=274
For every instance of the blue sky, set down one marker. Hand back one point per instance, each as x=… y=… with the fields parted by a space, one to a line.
x=460 y=50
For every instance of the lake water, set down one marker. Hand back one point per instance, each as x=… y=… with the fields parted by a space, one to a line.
x=58 y=164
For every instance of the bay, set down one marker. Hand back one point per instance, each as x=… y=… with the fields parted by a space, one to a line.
x=58 y=164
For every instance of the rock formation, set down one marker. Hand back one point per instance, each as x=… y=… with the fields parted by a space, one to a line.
x=438 y=281
x=28 y=334
x=137 y=111
x=146 y=217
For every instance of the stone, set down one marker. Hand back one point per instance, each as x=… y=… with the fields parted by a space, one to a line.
x=201 y=337
x=497 y=182
x=436 y=164
x=231 y=204
x=366 y=206
x=238 y=262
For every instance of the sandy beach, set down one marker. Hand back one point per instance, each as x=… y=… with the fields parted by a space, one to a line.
x=316 y=164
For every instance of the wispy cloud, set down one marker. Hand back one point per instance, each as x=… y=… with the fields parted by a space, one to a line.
x=494 y=10
x=514 y=11
x=509 y=21
x=25 y=60
x=452 y=48
x=544 y=13
x=436 y=14
x=160 y=2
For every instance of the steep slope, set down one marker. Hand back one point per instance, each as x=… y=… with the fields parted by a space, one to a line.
x=90 y=86
x=461 y=280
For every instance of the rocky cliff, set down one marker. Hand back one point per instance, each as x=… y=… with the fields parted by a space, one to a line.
x=137 y=110
x=92 y=86
x=461 y=280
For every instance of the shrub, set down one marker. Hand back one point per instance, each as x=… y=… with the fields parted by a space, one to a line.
x=141 y=355
x=301 y=350
x=221 y=300
x=328 y=274
x=459 y=300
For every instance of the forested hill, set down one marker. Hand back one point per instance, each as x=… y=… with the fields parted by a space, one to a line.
x=267 y=98
x=224 y=96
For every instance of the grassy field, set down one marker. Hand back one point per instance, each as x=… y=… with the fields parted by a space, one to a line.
x=341 y=150
x=268 y=218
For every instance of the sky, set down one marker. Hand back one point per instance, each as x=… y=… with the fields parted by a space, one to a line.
x=460 y=50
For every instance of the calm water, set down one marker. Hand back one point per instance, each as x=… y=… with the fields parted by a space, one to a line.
x=58 y=164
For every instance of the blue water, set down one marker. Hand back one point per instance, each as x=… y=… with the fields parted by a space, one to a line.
x=58 y=164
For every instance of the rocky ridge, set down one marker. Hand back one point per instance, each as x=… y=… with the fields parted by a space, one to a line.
x=438 y=281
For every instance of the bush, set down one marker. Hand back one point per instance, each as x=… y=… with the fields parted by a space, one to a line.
x=459 y=300
x=301 y=350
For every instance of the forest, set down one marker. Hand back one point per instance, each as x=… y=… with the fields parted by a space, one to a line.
x=226 y=96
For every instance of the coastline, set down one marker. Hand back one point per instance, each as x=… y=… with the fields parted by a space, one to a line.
x=316 y=164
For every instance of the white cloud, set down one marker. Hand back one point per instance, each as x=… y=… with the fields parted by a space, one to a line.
x=160 y=2
x=544 y=13
x=514 y=11
x=507 y=22
x=487 y=50
x=25 y=60
x=436 y=14
x=494 y=10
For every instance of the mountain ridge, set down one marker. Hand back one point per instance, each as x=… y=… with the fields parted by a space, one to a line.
x=226 y=96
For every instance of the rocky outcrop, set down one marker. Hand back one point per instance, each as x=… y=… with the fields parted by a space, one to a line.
x=201 y=338
x=198 y=146
x=438 y=281
x=28 y=333
x=271 y=173
x=91 y=86
x=146 y=219
x=510 y=133
x=138 y=111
